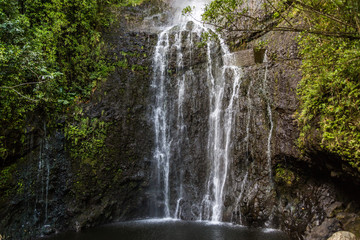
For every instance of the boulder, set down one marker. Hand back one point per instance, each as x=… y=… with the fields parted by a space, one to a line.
x=343 y=235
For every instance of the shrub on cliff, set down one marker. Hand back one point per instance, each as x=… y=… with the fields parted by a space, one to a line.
x=51 y=55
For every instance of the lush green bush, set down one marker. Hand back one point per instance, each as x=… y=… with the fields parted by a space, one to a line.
x=86 y=137
x=330 y=88
x=285 y=176
x=51 y=54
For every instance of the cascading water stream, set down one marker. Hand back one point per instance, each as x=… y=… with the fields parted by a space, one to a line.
x=180 y=133
x=268 y=151
x=219 y=140
x=223 y=82
x=43 y=181
x=160 y=120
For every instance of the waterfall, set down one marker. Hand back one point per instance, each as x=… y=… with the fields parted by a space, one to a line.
x=42 y=180
x=175 y=194
x=181 y=127
x=160 y=120
x=268 y=151
x=219 y=140
x=47 y=186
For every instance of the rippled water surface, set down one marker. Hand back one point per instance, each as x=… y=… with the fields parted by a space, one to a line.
x=172 y=230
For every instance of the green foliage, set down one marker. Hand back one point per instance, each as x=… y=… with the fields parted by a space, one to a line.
x=51 y=53
x=187 y=10
x=330 y=89
x=285 y=176
x=330 y=95
x=218 y=11
x=6 y=178
x=261 y=45
x=243 y=22
x=86 y=138
x=124 y=62
x=130 y=2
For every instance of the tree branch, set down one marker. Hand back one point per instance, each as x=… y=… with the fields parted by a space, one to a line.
x=280 y=13
x=289 y=29
x=23 y=84
x=12 y=89
x=311 y=9
x=255 y=26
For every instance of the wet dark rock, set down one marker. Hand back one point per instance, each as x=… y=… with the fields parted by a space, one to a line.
x=313 y=204
x=325 y=230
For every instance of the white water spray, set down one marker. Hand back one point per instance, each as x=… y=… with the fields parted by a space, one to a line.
x=160 y=118
x=197 y=7
x=43 y=180
x=223 y=79
x=220 y=132
x=268 y=151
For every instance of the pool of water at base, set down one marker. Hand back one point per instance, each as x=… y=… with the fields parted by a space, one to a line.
x=166 y=229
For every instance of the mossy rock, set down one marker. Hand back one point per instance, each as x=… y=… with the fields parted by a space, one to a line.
x=284 y=176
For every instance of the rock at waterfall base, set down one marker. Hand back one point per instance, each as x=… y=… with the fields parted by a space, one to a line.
x=343 y=235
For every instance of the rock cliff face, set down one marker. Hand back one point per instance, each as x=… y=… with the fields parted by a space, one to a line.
x=270 y=183
x=307 y=200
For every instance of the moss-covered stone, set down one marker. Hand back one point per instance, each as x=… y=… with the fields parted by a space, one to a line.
x=285 y=176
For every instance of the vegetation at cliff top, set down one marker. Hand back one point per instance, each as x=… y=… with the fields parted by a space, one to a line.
x=51 y=56
x=329 y=43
